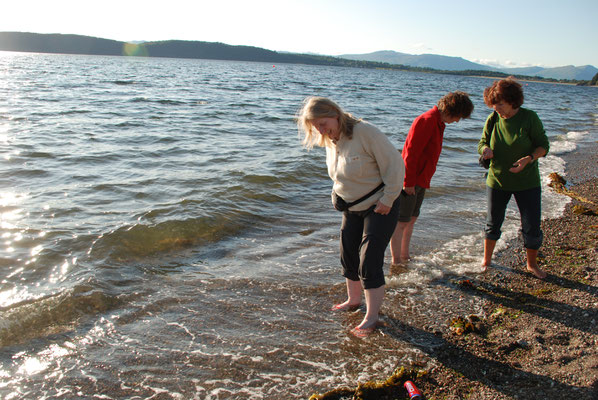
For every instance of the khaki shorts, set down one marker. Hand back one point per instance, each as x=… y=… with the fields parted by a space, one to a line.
x=409 y=205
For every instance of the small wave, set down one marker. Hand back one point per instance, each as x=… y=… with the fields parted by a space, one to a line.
x=39 y=154
x=577 y=136
x=71 y=112
x=93 y=159
x=244 y=105
x=439 y=191
x=139 y=241
x=269 y=118
x=235 y=88
x=119 y=82
x=261 y=179
x=456 y=149
x=140 y=100
x=157 y=101
x=24 y=173
x=51 y=315
x=129 y=124
x=170 y=102
x=567 y=143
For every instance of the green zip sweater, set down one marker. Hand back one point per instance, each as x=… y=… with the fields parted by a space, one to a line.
x=514 y=138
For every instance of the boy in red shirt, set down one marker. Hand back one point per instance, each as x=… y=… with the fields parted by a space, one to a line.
x=420 y=153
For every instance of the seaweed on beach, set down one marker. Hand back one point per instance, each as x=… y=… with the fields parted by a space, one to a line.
x=558 y=183
x=461 y=325
x=380 y=390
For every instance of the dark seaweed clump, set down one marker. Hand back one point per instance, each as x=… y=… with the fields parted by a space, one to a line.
x=391 y=388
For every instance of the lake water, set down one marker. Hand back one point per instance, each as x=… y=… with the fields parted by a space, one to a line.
x=165 y=236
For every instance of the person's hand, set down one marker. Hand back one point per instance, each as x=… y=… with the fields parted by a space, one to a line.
x=520 y=164
x=382 y=208
x=487 y=153
x=409 y=190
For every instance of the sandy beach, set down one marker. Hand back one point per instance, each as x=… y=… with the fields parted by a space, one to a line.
x=537 y=339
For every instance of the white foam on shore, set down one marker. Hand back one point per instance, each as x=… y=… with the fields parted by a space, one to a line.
x=568 y=143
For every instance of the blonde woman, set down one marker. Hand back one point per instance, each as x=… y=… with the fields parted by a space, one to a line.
x=367 y=173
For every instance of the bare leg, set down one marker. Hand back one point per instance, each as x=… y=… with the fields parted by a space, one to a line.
x=396 y=242
x=401 y=238
x=407 y=239
x=489 y=246
x=373 y=301
x=353 y=296
x=532 y=264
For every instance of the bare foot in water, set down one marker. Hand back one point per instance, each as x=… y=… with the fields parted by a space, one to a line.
x=402 y=260
x=365 y=329
x=397 y=269
x=534 y=269
x=345 y=306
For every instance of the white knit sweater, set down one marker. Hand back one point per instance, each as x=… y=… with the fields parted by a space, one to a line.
x=359 y=164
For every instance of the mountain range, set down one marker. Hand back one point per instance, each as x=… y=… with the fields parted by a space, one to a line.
x=447 y=63
x=79 y=44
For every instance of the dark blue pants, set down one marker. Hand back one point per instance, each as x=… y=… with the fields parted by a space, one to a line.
x=529 y=203
x=364 y=238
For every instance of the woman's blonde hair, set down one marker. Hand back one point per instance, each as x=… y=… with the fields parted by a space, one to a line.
x=320 y=107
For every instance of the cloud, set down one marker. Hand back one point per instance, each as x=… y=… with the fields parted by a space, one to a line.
x=420 y=47
x=504 y=64
x=515 y=64
x=489 y=62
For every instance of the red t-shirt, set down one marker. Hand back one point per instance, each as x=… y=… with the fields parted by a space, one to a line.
x=422 y=148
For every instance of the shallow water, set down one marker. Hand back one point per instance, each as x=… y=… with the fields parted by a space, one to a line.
x=164 y=234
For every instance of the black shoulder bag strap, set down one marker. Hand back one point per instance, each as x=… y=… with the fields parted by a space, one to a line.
x=483 y=162
x=351 y=204
x=491 y=126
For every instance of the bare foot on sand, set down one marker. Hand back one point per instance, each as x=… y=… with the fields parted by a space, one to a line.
x=484 y=267
x=534 y=269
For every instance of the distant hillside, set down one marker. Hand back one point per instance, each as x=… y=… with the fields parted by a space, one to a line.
x=569 y=72
x=78 y=44
x=424 y=60
x=67 y=44
x=582 y=73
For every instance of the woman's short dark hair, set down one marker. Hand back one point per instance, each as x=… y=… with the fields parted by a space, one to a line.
x=507 y=90
x=456 y=104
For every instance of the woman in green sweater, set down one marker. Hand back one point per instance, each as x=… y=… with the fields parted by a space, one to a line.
x=513 y=146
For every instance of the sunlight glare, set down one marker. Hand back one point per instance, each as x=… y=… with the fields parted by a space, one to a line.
x=32 y=366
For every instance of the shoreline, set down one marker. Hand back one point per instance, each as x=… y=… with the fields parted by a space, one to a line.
x=528 y=80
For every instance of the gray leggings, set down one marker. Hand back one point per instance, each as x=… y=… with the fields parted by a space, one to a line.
x=364 y=239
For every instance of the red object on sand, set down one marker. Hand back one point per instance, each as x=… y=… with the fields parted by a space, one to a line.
x=412 y=390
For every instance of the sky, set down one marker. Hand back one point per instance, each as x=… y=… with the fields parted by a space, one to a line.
x=510 y=33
